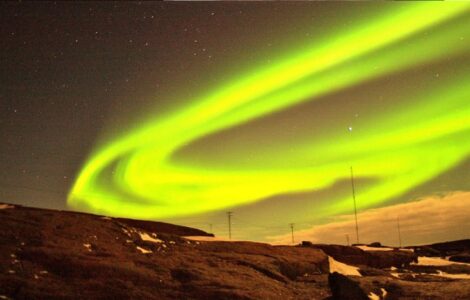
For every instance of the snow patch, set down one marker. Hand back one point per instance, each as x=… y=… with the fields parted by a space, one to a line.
x=453 y=276
x=6 y=206
x=336 y=266
x=87 y=246
x=144 y=251
x=435 y=261
x=126 y=232
x=384 y=293
x=373 y=296
x=367 y=248
x=407 y=250
x=145 y=237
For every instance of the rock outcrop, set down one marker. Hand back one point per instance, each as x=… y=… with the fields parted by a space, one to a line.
x=374 y=259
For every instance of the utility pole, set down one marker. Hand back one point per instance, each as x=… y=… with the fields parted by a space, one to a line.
x=347 y=239
x=292 y=231
x=399 y=233
x=229 y=216
x=355 y=208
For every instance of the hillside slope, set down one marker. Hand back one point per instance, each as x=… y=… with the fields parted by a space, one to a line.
x=54 y=254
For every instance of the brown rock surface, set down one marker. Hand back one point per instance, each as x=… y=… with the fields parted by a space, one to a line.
x=63 y=255
x=47 y=254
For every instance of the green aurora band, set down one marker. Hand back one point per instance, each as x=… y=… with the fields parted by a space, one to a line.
x=137 y=175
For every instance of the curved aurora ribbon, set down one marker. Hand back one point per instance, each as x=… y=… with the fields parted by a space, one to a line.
x=136 y=175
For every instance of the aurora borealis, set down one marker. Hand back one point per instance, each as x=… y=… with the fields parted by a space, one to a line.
x=382 y=88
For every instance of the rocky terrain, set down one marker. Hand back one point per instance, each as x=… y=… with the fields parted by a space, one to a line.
x=46 y=254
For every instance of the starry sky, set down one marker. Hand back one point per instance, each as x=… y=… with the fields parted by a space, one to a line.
x=184 y=111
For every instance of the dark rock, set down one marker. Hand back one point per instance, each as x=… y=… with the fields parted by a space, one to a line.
x=183 y=275
x=375 y=244
x=344 y=288
x=444 y=249
x=451 y=269
x=368 y=271
x=465 y=258
x=452 y=247
x=427 y=251
x=418 y=287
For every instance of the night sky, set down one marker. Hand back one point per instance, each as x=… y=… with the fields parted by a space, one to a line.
x=184 y=111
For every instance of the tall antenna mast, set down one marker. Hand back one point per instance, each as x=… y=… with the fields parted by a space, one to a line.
x=399 y=233
x=291 y=225
x=355 y=208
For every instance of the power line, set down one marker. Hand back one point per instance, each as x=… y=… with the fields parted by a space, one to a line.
x=292 y=231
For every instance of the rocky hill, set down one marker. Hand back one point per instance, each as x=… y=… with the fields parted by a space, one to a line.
x=46 y=254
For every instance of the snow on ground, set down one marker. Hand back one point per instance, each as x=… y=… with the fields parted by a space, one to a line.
x=368 y=248
x=454 y=276
x=88 y=246
x=435 y=261
x=384 y=292
x=407 y=249
x=5 y=206
x=146 y=237
x=144 y=251
x=373 y=296
x=336 y=266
